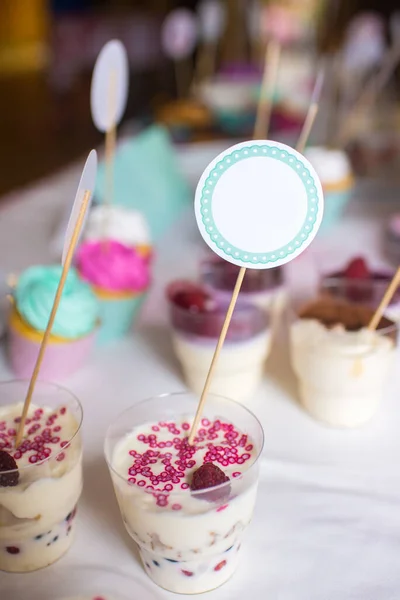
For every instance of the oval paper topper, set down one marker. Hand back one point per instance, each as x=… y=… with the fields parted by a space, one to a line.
x=259 y=204
x=109 y=91
x=212 y=17
x=179 y=33
x=86 y=184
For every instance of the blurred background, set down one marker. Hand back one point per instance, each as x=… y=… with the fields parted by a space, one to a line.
x=48 y=48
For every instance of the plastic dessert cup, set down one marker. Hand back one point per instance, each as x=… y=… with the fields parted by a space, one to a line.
x=196 y=326
x=334 y=170
x=358 y=283
x=341 y=366
x=264 y=288
x=41 y=481
x=188 y=538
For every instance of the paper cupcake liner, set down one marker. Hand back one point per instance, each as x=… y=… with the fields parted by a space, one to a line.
x=117 y=313
x=62 y=358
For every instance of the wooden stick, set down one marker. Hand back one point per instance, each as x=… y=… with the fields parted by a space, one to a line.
x=311 y=113
x=265 y=102
x=207 y=59
x=371 y=90
x=388 y=295
x=221 y=340
x=46 y=335
x=260 y=130
x=183 y=77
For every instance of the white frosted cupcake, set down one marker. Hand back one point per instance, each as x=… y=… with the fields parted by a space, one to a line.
x=334 y=170
x=124 y=225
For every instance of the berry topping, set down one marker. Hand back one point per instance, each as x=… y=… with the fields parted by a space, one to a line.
x=12 y=550
x=357 y=269
x=208 y=476
x=9 y=474
x=189 y=296
x=220 y=565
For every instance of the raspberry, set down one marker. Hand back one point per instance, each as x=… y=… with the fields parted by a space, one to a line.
x=357 y=269
x=209 y=476
x=7 y=464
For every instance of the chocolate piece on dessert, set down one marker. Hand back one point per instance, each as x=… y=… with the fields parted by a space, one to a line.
x=208 y=476
x=336 y=312
x=9 y=474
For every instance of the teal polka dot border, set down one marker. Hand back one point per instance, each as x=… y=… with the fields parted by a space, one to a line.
x=244 y=153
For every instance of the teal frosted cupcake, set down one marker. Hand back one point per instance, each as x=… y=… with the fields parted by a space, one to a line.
x=74 y=329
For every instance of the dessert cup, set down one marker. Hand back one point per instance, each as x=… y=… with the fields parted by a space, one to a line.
x=264 y=288
x=74 y=330
x=334 y=171
x=195 y=332
x=341 y=366
x=41 y=481
x=188 y=538
x=358 y=283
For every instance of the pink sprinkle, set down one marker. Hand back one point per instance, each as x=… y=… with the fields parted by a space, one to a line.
x=184 y=486
x=141 y=483
x=205 y=422
x=17 y=420
x=240 y=461
x=55 y=440
x=132 y=480
x=185 y=426
x=12 y=432
x=155 y=428
x=236 y=474
x=249 y=448
x=221 y=508
x=17 y=454
x=33 y=459
x=176 y=507
x=60 y=457
x=63 y=444
x=57 y=429
x=63 y=410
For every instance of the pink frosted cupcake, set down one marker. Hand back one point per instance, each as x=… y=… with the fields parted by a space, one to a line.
x=119 y=276
x=74 y=328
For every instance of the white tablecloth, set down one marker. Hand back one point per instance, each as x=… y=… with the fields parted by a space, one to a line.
x=327 y=523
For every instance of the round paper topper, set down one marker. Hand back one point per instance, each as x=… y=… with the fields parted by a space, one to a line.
x=259 y=204
x=179 y=33
x=212 y=17
x=86 y=184
x=109 y=91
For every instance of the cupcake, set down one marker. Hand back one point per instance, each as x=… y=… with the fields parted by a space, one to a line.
x=129 y=227
x=334 y=170
x=119 y=276
x=74 y=328
x=357 y=282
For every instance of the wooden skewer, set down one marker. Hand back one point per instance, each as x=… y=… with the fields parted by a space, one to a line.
x=265 y=102
x=388 y=295
x=371 y=90
x=260 y=131
x=46 y=335
x=220 y=343
x=311 y=113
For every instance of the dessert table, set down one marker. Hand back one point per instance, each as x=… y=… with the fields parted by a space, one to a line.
x=327 y=521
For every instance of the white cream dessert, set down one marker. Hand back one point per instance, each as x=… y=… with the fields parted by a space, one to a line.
x=197 y=319
x=127 y=226
x=40 y=484
x=340 y=364
x=188 y=530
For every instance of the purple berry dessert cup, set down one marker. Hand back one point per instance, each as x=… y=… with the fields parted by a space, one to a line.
x=187 y=524
x=196 y=319
x=41 y=480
